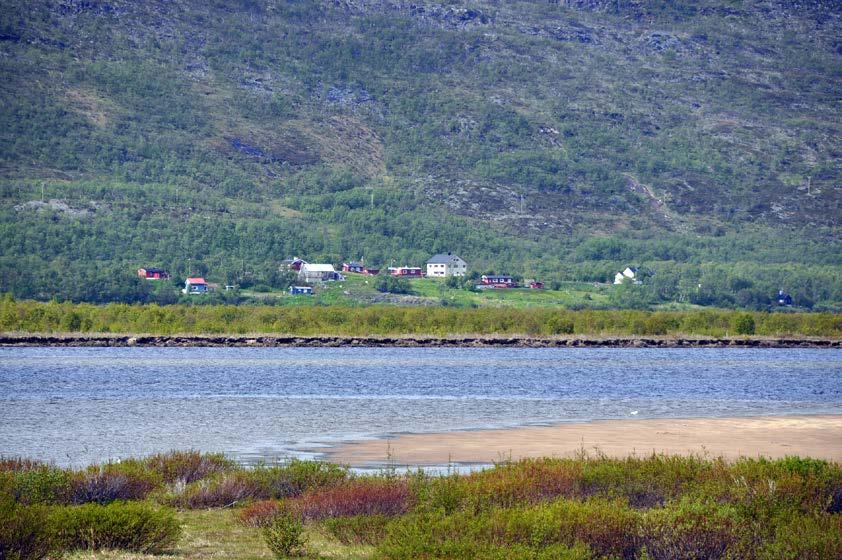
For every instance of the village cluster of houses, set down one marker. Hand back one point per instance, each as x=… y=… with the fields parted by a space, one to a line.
x=442 y=265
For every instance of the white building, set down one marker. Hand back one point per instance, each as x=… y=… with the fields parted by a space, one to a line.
x=312 y=272
x=446 y=264
x=630 y=273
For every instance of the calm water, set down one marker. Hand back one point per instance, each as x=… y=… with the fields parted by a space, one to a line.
x=82 y=405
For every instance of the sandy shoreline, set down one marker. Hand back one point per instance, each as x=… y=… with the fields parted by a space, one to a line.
x=809 y=436
x=410 y=341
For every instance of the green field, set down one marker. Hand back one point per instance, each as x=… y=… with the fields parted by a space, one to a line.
x=357 y=289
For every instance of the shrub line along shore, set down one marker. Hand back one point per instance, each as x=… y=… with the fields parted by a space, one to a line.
x=189 y=340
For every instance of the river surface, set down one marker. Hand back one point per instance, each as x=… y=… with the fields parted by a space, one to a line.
x=75 y=406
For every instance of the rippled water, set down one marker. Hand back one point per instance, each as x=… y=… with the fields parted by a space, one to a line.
x=82 y=405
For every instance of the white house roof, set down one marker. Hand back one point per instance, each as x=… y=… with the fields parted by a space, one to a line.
x=443 y=258
x=318 y=267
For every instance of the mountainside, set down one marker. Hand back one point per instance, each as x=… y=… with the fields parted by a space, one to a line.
x=558 y=139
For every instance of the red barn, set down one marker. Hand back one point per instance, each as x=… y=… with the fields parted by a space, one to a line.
x=153 y=273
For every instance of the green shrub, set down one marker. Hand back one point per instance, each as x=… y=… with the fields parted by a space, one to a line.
x=43 y=485
x=743 y=324
x=295 y=477
x=24 y=530
x=359 y=529
x=466 y=536
x=608 y=528
x=188 y=466
x=693 y=529
x=284 y=536
x=805 y=537
x=133 y=526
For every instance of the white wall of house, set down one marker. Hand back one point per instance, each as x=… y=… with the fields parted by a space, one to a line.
x=454 y=266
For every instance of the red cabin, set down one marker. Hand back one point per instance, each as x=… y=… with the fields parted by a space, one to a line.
x=153 y=273
x=359 y=269
x=536 y=285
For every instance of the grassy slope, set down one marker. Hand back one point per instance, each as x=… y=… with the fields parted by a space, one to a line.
x=219 y=138
x=358 y=289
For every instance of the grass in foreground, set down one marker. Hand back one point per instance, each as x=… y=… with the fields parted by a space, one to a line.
x=657 y=507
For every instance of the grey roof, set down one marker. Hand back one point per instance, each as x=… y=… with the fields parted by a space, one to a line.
x=443 y=258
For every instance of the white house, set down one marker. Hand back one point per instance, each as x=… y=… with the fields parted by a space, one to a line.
x=630 y=273
x=195 y=286
x=446 y=264
x=312 y=272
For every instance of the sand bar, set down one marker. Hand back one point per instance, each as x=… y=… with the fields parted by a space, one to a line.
x=813 y=436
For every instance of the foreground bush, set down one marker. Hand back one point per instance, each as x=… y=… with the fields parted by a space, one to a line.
x=43 y=484
x=285 y=536
x=261 y=483
x=814 y=537
x=136 y=527
x=25 y=531
x=464 y=536
x=608 y=528
x=188 y=466
x=372 y=496
x=695 y=529
x=107 y=483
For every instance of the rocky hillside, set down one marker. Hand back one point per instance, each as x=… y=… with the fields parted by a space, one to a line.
x=562 y=137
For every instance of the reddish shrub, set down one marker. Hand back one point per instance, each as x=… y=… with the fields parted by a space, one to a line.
x=20 y=464
x=374 y=496
x=260 y=514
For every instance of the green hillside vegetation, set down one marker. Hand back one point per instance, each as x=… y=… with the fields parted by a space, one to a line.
x=556 y=140
x=585 y=508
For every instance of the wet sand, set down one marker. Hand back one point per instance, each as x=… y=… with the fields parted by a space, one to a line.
x=808 y=436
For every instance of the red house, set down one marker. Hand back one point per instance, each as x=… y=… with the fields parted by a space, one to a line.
x=292 y=264
x=153 y=273
x=536 y=285
x=359 y=268
x=407 y=271
x=498 y=281
x=353 y=267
